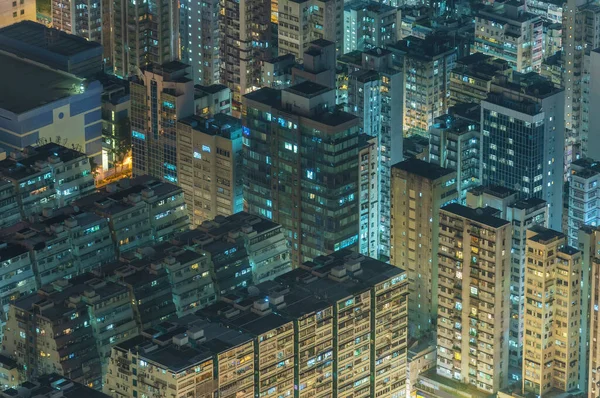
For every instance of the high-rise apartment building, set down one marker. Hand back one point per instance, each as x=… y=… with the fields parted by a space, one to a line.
x=522 y=214
x=472 y=77
x=507 y=31
x=287 y=333
x=551 y=346
x=213 y=99
x=69 y=328
x=160 y=96
x=454 y=143
x=522 y=143
x=302 y=21
x=584 y=186
x=368 y=196
x=368 y=24
x=209 y=161
x=143 y=34
x=200 y=40
x=301 y=167
x=427 y=65
x=80 y=18
x=474 y=307
x=375 y=93
x=581 y=35
x=12 y=12
x=418 y=190
x=245 y=34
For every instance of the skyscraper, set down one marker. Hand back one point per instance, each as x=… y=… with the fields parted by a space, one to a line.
x=454 y=144
x=522 y=143
x=523 y=215
x=375 y=88
x=507 y=31
x=144 y=33
x=200 y=39
x=81 y=18
x=552 y=313
x=418 y=190
x=245 y=34
x=473 y=311
x=581 y=35
x=209 y=164
x=301 y=165
x=303 y=21
x=368 y=24
x=160 y=95
x=427 y=65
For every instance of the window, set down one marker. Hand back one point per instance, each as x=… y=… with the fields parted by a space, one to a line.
x=14 y=3
x=14 y=14
x=22 y=12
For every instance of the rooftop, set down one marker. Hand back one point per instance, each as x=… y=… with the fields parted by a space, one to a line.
x=26 y=85
x=219 y=125
x=545 y=235
x=53 y=385
x=50 y=39
x=212 y=89
x=427 y=49
x=479 y=215
x=423 y=169
x=308 y=89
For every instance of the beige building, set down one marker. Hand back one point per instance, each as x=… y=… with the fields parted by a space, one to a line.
x=13 y=11
x=419 y=190
x=302 y=21
x=427 y=64
x=474 y=285
x=209 y=161
x=552 y=319
x=507 y=31
x=282 y=338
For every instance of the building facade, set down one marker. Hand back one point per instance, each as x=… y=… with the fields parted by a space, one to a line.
x=209 y=161
x=160 y=96
x=473 y=312
x=11 y=12
x=369 y=25
x=245 y=36
x=143 y=34
x=419 y=190
x=454 y=143
x=42 y=104
x=507 y=31
x=69 y=328
x=283 y=327
x=552 y=313
x=522 y=143
x=301 y=162
x=427 y=64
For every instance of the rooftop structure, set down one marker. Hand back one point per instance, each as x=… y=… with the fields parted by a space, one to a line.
x=52 y=386
x=52 y=47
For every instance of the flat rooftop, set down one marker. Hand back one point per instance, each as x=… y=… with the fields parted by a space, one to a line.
x=422 y=168
x=479 y=215
x=26 y=86
x=50 y=39
x=545 y=235
x=308 y=89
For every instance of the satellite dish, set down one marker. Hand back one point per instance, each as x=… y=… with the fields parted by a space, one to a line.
x=253 y=291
